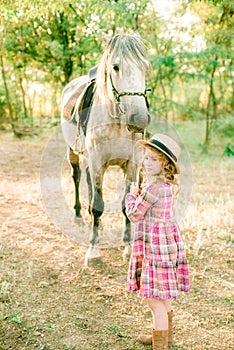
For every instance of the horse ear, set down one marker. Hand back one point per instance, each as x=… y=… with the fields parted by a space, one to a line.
x=137 y=35
x=105 y=39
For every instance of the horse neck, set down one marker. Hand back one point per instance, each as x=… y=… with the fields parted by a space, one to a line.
x=108 y=110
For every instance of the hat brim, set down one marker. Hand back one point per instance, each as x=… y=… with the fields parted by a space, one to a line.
x=145 y=143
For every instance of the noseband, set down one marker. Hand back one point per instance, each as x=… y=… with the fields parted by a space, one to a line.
x=117 y=94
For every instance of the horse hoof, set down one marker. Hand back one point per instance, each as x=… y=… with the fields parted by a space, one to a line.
x=78 y=220
x=126 y=253
x=92 y=256
x=92 y=262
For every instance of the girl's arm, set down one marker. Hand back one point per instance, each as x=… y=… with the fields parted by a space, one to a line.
x=137 y=204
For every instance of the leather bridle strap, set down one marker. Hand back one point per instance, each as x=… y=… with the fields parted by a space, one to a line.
x=117 y=94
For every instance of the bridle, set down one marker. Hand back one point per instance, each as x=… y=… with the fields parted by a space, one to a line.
x=117 y=94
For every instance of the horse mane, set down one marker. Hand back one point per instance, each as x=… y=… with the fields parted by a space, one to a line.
x=127 y=48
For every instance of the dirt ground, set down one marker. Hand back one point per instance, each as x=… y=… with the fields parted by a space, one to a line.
x=50 y=301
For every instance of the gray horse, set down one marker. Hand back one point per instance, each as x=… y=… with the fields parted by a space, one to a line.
x=105 y=130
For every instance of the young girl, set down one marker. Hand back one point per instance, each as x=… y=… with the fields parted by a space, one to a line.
x=158 y=267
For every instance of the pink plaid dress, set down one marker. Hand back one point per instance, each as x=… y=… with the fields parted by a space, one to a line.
x=158 y=266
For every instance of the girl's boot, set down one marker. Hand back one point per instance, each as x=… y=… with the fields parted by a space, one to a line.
x=170 y=331
x=147 y=339
x=160 y=340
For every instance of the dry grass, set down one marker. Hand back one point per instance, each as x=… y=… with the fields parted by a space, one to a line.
x=50 y=301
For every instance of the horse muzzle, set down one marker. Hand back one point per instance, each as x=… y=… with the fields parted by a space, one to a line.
x=137 y=123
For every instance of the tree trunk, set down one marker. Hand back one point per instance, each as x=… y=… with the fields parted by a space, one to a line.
x=8 y=100
x=24 y=100
x=211 y=98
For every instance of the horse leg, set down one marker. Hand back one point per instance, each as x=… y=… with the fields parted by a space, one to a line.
x=127 y=230
x=128 y=172
x=90 y=190
x=76 y=174
x=96 y=208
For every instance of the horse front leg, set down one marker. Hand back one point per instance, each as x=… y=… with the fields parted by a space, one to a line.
x=96 y=208
x=127 y=229
x=73 y=159
x=129 y=173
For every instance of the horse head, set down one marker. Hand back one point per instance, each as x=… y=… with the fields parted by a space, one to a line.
x=121 y=79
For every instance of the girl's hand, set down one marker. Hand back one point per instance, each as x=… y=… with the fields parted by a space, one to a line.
x=134 y=189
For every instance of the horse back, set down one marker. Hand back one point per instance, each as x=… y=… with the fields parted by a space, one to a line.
x=70 y=95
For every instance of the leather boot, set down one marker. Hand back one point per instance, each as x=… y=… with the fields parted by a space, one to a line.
x=160 y=340
x=170 y=331
x=147 y=339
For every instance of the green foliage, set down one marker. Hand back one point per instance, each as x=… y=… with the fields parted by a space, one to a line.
x=3 y=112
x=15 y=319
x=45 y=45
x=225 y=127
x=112 y=328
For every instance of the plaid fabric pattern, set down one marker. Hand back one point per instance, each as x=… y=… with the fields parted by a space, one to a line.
x=158 y=266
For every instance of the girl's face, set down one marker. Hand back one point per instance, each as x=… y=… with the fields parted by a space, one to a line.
x=151 y=163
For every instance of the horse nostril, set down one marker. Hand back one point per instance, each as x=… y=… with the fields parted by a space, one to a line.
x=132 y=119
x=139 y=121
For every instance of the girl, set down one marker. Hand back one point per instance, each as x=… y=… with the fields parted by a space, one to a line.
x=158 y=267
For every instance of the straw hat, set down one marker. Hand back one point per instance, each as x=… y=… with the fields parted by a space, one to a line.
x=166 y=145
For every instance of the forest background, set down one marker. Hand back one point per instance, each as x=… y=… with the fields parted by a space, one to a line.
x=44 y=45
x=48 y=299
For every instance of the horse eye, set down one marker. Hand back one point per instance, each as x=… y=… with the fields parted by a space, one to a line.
x=116 y=67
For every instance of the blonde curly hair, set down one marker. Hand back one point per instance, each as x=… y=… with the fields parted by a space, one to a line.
x=169 y=171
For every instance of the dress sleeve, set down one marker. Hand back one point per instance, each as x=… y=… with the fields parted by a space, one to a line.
x=136 y=206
